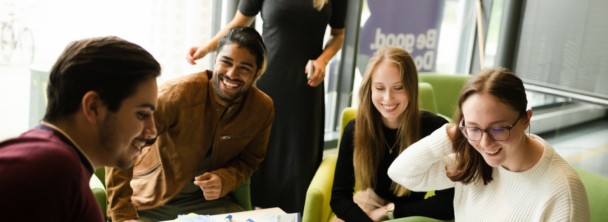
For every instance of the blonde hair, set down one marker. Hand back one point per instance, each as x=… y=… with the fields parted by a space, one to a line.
x=369 y=139
x=318 y=4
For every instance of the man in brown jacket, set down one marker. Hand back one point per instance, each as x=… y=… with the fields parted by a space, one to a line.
x=213 y=132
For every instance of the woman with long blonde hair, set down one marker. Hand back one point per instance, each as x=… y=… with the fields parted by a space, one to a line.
x=388 y=120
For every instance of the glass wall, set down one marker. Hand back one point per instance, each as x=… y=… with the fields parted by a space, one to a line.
x=454 y=43
x=578 y=129
x=34 y=33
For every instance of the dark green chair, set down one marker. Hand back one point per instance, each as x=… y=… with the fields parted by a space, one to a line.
x=241 y=196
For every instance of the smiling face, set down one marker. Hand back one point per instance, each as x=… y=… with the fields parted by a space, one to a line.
x=123 y=133
x=235 y=71
x=486 y=111
x=388 y=93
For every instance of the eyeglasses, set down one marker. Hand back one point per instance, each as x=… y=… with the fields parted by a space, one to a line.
x=496 y=133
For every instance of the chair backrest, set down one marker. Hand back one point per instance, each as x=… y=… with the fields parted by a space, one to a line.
x=348 y=114
x=426 y=97
x=446 y=89
x=596 y=187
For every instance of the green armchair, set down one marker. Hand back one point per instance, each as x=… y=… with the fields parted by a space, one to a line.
x=318 y=195
x=446 y=91
x=242 y=196
x=596 y=187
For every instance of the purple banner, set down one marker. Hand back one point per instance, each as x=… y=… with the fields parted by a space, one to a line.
x=409 y=24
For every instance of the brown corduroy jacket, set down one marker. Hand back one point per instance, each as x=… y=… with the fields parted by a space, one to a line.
x=190 y=121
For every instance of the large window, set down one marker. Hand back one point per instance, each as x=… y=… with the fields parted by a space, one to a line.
x=454 y=43
x=34 y=33
x=529 y=40
x=563 y=48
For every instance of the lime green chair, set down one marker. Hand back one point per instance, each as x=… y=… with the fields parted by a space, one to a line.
x=426 y=97
x=348 y=114
x=318 y=195
x=597 y=192
x=446 y=90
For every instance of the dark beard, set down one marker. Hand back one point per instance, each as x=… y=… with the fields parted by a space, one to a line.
x=216 y=87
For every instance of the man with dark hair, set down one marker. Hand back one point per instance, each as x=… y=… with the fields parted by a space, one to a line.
x=213 y=129
x=101 y=98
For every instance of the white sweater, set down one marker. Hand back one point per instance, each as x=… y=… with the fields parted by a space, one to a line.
x=549 y=191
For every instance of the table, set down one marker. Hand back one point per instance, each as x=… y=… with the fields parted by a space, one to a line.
x=255 y=215
x=274 y=214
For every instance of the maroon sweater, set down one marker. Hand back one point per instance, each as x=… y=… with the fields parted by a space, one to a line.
x=44 y=177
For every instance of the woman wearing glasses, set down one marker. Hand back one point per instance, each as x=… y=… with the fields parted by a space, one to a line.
x=499 y=172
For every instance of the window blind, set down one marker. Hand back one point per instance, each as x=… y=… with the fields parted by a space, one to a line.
x=563 y=48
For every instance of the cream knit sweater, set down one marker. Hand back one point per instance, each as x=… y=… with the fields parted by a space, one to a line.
x=549 y=191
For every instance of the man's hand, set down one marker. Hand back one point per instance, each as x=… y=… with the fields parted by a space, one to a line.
x=210 y=184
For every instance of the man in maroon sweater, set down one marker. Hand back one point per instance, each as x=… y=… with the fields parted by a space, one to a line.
x=101 y=96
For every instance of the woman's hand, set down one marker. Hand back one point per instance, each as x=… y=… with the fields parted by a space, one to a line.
x=195 y=53
x=318 y=74
x=378 y=214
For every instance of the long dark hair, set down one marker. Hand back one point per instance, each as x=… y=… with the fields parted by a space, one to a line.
x=509 y=89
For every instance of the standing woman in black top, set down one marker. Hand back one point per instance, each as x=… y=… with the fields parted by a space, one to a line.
x=293 y=32
x=388 y=121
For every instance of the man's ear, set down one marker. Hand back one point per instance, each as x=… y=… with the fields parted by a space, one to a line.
x=257 y=75
x=91 y=106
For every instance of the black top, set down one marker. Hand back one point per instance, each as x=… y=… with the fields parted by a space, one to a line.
x=439 y=206
x=293 y=32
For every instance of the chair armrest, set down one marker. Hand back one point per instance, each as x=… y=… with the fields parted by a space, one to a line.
x=596 y=187
x=242 y=196
x=318 y=195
